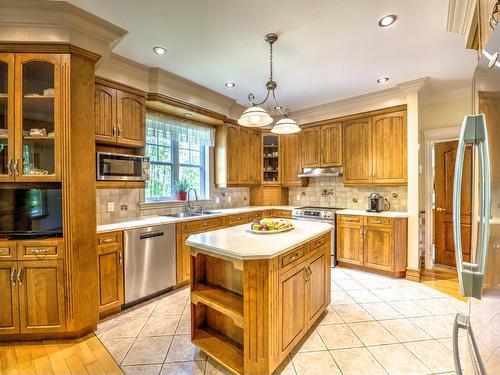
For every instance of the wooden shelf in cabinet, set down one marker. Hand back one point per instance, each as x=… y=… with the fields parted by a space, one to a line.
x=223 y=300
x=40 y=138
x=219 y=347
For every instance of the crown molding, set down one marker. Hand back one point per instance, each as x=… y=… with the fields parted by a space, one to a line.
x=420 y=86
x=447 y=96
x=463 y=19
x=120 y=69
x=57 y=22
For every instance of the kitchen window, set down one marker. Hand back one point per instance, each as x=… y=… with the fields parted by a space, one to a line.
x=178 y=149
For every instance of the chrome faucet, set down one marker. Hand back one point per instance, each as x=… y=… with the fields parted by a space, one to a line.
x=190 y=207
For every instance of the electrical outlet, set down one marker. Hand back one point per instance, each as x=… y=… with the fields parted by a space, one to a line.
x=228 y=199
x=111 y=206
x=217 y=200
x=297 y=197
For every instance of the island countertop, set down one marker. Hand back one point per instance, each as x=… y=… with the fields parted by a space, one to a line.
x=239 y=243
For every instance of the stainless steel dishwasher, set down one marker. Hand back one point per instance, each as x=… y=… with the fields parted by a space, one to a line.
x=149 y=261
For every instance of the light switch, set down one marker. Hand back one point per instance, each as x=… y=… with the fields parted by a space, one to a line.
x=228 y=199
x=297 y=197
x=111 y=206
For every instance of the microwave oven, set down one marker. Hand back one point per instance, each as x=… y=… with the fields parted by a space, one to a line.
x=122 y=167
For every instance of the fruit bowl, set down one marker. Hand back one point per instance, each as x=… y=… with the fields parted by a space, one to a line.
x=270 y=226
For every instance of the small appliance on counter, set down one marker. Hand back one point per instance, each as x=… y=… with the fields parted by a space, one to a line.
x=377 y=203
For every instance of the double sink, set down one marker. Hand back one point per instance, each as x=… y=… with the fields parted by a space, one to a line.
x=193 y=214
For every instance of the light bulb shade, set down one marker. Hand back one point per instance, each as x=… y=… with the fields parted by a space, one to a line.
x=285 y=126
x=255 y=117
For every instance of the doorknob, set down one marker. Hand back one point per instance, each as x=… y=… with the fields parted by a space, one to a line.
x=439 y=209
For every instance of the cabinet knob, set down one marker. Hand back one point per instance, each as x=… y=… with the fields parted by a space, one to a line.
x=1 y=251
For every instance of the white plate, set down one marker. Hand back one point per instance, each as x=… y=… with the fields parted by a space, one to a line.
x=269 y=231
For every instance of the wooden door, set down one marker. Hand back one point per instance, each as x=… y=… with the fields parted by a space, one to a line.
x=489 y=104
x=110 y=271
x=105 y=114
x=389 y=149
x=357 y=152
x=291 y=164
x=311 y=147
x=233 y=154
x=131 y=119
x=245 y=158
x=445 y=155
x=39 y=110
x=183 y=257
x=255 y=157
x=9 y=298
x=41 y=296
x=7 y=148
x=316 y=287
x=378 y=247
x=331 y=145
x=350 y=242
x=293 y=309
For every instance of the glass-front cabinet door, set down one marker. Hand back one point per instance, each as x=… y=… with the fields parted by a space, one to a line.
x=6 y=117
x=38 y=116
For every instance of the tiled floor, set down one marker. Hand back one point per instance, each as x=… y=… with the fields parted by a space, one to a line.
x=375 y=325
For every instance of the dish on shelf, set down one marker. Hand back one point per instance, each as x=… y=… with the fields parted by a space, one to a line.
x=37 y=172
x=39 y=96
x=270 y=226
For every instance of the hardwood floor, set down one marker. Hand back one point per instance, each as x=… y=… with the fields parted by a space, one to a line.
x=444 y=279
x=83 y=356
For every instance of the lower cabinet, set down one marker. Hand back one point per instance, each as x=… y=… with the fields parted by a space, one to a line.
x=378 y=244
x=110 y=271
x=32 y=296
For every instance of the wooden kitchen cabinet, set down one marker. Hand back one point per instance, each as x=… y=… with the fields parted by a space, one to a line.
x=317 y=286
x=110 y=272
x=41 y=296
x=485 y=31
x=291 y=162
x=375 y=150
x=9 y=298
x=322 y=146
x=119 y=115
x=373 y=243
x=237 y=156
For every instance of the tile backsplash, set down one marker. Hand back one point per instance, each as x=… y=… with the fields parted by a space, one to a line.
x=126 y=203
x=331 y=192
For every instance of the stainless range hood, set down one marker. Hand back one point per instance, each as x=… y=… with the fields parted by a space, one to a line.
x=322 y=172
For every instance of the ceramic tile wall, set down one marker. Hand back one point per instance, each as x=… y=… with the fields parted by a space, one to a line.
x=126 y=203
x=331 y=192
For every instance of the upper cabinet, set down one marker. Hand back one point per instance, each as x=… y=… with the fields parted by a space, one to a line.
x=322 y=146
x=485 y=31
x=31 y=106
x=119 y=116
x=375 y=150
x=291 y=164
x=271 y=158
x=237 y=156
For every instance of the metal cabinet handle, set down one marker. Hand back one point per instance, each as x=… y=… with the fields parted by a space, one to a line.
x=113 y=131
x=439 y=209
x=376 y=221
x=205 y=224
x=40 y=251
x=13 y=276
x=106 y=240
x=361 y=232
x=1 y=251
x=471 y=274
x=9 y=167
x=120 y=257
x=19 y=276
x=16 y=166
x=119 y=131
x=463 y=322
x=306 y=274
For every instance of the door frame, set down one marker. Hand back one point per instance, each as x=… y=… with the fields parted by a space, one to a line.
x=432 y=137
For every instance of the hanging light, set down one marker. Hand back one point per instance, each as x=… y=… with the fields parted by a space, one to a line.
x=285 y=126
x=256 y=116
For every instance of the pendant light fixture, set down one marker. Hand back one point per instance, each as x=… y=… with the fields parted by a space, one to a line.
x=256 y=115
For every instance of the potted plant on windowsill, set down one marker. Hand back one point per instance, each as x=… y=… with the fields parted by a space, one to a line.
x=181 y=187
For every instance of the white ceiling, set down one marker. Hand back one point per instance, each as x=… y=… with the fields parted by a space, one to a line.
x=328 y=49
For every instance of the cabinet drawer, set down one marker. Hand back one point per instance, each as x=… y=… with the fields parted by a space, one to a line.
x=46 y=249
x=317 y=243
x=287 y=214
x=202 y=225
x=237 y=219
x=109 y=238
x=267 y=213
x=8 y=250
x=292 y=256
x=255 y=215
x=350 y=219
x=378 y=221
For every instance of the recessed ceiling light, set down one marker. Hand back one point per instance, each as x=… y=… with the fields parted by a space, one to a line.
x=387 y=20
x=230 y=84
x=187 y=114
x=382 y=80
x=159 y=50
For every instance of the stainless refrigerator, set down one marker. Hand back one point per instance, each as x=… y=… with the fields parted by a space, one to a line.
x=480 y=278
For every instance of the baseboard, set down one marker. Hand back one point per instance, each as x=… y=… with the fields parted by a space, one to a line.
x=396 y=274
x=413 y=275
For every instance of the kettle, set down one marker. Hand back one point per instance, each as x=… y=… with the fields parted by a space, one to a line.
x=377 y=203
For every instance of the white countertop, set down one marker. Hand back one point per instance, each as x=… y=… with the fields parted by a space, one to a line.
x=393 y=214
x=159 y=220
x=239 y=243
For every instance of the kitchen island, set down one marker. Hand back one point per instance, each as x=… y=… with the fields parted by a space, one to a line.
x=254 y=296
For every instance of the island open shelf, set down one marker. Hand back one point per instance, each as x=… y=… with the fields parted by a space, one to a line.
x=248 y=314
